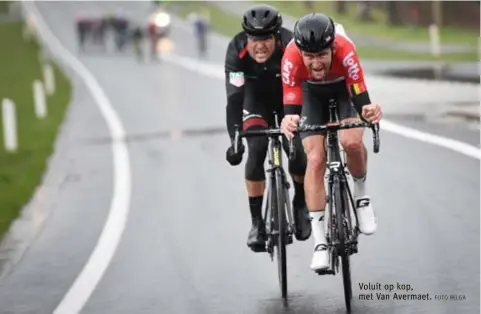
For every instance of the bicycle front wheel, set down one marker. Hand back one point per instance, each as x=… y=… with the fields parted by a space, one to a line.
x=340 y=204
x=282 y=236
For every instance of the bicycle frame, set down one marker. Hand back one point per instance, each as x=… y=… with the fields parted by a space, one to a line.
x=335 y=164
x=275 y=161
x=276 y=203
x=344 y=242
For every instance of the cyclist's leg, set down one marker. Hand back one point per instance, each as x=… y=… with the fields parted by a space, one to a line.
x=297 y=169
x=356 y=152
x=314 y=112
x=351 y=140
x=253 y=118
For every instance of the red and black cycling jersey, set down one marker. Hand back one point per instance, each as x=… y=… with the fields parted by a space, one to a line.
x=345 y=66
x=241 y=72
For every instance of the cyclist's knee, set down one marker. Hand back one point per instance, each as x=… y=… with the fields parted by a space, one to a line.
x=316 y=161
x=314 y=148
x=351 y=141
x=257 y=151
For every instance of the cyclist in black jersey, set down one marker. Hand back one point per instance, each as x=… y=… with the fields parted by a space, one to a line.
x=253 y=85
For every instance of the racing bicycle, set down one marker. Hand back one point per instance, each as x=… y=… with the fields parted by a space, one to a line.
x=341 y=230
x=276 y=207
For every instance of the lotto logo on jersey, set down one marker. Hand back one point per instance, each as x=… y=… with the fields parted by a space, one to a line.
x=352 y=66
x=286 y=72
x=236 y=78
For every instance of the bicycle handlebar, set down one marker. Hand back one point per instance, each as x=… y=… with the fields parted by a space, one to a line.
x=343 y=126
x=254 y=133
x=310 y=128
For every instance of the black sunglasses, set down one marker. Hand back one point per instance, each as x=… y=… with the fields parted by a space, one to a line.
x=259 y=38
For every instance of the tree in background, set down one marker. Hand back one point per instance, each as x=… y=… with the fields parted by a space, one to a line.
x=364 y=11
x=393 y=17
x=341 y=7
x=309 y=5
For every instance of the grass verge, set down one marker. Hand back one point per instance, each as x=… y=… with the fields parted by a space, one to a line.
x=4 y=7
x=229 y=25
x=21 y=172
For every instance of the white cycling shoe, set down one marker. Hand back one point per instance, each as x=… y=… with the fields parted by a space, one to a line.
x=320 y=258
x=365 y=215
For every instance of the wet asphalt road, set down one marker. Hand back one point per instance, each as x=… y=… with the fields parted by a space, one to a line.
x=183 y=249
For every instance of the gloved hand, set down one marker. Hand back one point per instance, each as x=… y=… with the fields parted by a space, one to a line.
x=232 y=158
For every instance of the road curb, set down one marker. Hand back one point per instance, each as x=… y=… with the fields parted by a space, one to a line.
x=471 y=113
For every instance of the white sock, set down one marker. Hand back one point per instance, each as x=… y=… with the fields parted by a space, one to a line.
x=318 y=227
x=359 y=186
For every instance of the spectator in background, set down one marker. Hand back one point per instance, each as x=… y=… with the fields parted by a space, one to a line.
x=137 y=34
x=90 y=26
x=99 y=29
x=201 y=24
x=153 y=39
x=120 y=25
x=82 y=26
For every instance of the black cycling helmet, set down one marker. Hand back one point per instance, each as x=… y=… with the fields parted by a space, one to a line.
x=314 y=32
x=261 y=20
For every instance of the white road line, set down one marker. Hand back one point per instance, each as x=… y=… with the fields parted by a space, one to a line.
x=216 y=71
x=91 y=274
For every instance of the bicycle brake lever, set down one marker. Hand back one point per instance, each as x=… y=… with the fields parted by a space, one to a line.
x=376 y=141
x=292 y=151
x=236 y=139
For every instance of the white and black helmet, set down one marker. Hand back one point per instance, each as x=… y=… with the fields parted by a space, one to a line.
x=261 y=20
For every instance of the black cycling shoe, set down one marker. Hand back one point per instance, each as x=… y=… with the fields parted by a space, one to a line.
x=289 y=239
x=256 y=239
x=301 y=221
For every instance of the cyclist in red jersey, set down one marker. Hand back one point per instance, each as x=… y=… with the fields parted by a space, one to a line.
x=319 y=64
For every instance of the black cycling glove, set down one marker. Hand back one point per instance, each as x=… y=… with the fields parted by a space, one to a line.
x=232 y=158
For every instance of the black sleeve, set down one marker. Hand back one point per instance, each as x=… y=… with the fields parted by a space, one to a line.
x=360 y=100
x=285 y=36
x=293 y=109
x=234 y=86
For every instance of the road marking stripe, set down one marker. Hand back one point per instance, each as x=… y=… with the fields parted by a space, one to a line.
x=91 y=274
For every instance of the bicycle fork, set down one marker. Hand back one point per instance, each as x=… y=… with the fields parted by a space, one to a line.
x=337 y=176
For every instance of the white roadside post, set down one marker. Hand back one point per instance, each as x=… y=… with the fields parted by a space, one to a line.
x=48 y=79
x=434 y=40
x=39 y=99
x=435 y=36
x=435 y=49
x=9 y=125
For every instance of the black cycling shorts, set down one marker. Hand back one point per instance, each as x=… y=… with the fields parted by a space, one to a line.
x=259 y=114
x=259 y=111
x=315 y=107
